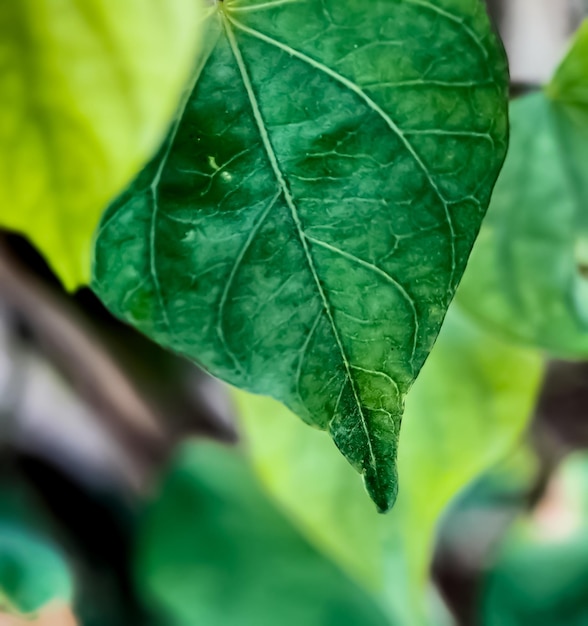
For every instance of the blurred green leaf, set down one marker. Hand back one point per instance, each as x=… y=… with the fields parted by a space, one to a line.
x=33 y=573
x=570 y=83
x=528 y=274
x=86 y=91
x=33 y=570
x=215 y=551
x=468 y=407
x=333 y=512
x=540 y=575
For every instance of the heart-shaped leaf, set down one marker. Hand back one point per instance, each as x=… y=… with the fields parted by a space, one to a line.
x=304 y=228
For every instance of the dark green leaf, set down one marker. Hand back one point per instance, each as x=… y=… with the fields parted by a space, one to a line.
x=214 y=551
x=528 y=274
x=304 y=229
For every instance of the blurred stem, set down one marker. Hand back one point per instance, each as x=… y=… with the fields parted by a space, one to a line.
x=72 y=348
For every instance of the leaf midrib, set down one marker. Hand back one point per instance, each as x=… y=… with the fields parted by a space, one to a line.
x=298 y=224
x=374 y=106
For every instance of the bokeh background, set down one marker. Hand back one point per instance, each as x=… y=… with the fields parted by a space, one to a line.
x=115 y=508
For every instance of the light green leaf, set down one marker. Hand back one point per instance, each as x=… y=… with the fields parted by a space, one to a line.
x=304 y=229
x=214 y=551
x=469 y=406
x=87 y=89
x=314 y=485
x=528 y=274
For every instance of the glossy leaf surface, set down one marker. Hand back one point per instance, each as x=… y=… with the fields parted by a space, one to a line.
x=303 y=230
x=87 y=90
x=466 y=411
x=214 y=550
x=528 y=274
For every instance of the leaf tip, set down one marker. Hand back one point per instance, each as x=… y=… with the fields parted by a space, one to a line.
x=383 y=489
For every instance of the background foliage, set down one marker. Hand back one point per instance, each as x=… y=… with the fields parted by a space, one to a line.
x=86 y=94
x=491 y=515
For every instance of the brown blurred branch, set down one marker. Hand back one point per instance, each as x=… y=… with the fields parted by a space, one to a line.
x=65 y=336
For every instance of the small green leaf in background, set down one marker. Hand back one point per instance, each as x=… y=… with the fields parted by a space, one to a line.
x=528 y=274
x=540 y=574
x=33 y=573
x=86 y=92
x=33 y=570
x=468 y=408
x=306 y=225
x=215 y=551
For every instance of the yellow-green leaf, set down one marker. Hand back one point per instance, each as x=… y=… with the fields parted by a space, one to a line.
x=86 y=90
x=467 y=409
